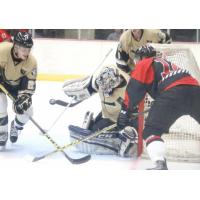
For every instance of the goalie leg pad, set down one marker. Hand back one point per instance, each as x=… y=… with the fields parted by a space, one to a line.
x=108 y=143
x=101 y=145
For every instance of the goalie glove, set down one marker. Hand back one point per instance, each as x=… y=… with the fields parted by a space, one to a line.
x=78 y=89
x=165 y=38
x=22 y=103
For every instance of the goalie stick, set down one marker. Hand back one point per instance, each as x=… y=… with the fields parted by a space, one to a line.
x=72 y=160
x=64 y=103
x=75 y=142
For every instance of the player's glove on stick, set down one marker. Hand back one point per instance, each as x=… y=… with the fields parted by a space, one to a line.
x=123 y=118
x=22 y=103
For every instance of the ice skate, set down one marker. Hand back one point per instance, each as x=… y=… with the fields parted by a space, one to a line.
x=160 y=165
x=14 y=132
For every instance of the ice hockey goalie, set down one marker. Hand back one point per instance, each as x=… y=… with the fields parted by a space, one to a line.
x=110 y=83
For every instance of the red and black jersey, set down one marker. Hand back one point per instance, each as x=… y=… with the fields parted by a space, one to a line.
x=4 y=35
x=154 y=75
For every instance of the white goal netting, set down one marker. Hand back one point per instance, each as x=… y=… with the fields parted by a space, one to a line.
x=183 y=140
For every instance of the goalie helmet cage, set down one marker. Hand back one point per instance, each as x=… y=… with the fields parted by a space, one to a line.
x=183 y=141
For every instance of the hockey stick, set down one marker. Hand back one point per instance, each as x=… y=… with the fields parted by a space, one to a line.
x=70 y=104
x=106 y=56
x=75 y=142
x=72 y=160
x=86 y=138
x=63 y=103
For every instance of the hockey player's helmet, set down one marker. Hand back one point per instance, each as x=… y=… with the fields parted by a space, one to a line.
x=108 y=80
x=23 y=39
x=145 y=51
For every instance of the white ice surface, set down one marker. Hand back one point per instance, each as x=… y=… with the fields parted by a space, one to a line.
x=55 y=176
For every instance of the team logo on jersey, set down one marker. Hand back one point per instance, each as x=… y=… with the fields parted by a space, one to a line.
x=34 y=72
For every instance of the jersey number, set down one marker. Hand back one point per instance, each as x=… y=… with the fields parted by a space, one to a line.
x=167 y=67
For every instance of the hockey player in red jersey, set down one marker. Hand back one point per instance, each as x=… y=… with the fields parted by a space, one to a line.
x=175 y=91
x=5 y=36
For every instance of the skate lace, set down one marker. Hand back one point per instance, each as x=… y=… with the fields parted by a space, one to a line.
x=14 y=131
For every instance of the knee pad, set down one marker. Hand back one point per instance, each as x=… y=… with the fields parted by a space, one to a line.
x=88 y=120
x=3 y=105
x=3 y=113
x=25 y=117
x=4 y=124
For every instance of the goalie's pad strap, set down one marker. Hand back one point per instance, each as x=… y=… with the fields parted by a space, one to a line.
x=79 y=130
x=86 y=132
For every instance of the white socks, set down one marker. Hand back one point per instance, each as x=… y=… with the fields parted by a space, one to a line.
x=156 y=150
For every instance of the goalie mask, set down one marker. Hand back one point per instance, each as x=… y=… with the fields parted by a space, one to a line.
x=108 y=80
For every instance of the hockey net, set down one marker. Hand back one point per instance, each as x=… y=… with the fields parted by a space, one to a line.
x=183 y=140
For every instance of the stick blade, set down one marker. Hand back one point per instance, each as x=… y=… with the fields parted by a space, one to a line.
x=79 y=160
x=72 y=160
x=38 y=158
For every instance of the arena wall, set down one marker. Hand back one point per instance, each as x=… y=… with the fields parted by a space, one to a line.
x=60 y=59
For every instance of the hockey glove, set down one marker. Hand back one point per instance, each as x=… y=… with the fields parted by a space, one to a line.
x=165 y=38
x=123 y=118
x=168 y=39
x=22 y=103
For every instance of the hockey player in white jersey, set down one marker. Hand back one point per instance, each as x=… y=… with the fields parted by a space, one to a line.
x=18 y=69
x=110 y=83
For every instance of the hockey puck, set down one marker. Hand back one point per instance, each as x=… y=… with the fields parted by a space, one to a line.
x=52 y=101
